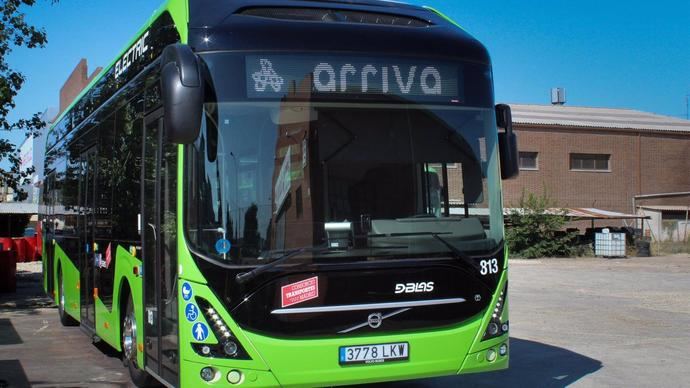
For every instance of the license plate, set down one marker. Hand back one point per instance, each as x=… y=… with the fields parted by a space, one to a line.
x=374 y=354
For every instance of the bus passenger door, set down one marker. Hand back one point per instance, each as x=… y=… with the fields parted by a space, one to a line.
x=47 y=225
x=160 y=255
x=89 y=160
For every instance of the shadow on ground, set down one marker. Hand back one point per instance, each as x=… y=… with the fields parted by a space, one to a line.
x=532 y=364
x=12 y=374
x=29 y=294
x=8 y=335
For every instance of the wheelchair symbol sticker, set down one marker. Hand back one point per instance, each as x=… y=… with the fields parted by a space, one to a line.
x=191 y=312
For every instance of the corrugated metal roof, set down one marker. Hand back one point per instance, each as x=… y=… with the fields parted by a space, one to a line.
x=18 y=208
x=575 y=116
x=572 y=213
x=671 y=208
x=599 y=214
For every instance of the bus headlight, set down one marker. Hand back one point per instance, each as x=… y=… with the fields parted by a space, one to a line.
x=491 y=355
x=207 y=374
x=492 y=329
x=496 y=328
x=228 y=346
x=234 y=377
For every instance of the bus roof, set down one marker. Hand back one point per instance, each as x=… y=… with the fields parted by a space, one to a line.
x=189 y=16
x=178 y=10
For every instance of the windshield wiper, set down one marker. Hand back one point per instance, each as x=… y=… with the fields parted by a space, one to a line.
x=458 y=253
x=405 y=234
x=244 y=277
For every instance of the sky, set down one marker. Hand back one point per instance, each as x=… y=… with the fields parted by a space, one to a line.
x=619 y=54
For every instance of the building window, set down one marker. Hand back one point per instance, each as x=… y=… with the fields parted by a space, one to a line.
x=590 y=162
x=528 y=161
x=440 y=165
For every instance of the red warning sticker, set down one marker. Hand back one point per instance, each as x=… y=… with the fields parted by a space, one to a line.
x=299 y=292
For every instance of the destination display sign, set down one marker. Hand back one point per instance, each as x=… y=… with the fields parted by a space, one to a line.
x=273 y=76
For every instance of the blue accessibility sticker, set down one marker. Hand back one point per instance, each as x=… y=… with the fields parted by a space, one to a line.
x=199 y=331
x=186 y=291
x=191 y=312
x=223 y=246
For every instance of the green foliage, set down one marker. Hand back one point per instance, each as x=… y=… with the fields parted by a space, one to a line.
x=15 y=32
x=535 y=228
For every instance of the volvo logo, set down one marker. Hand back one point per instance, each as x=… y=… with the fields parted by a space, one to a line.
x=375 y=320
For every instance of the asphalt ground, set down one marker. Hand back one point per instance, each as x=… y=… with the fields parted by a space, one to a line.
x=579 y=322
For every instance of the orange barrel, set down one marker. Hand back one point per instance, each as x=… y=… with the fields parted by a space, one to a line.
x=32 y=251
x=6 y=243
x=8 y=271
x=20 y=249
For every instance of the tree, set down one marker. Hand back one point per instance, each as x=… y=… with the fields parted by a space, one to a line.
x=535 y=228
x=15 y=32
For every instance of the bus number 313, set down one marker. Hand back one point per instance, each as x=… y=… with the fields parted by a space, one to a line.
x=488 y=266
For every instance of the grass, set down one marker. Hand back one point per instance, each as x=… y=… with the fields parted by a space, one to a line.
x=670 y=247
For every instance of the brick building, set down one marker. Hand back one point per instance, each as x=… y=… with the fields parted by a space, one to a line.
x=75 y=83
x=601 y=158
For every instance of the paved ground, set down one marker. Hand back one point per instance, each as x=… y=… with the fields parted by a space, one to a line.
x=584 y=322
x=35 y=350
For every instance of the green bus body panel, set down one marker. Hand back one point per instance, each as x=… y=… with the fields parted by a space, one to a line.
x=71 y=279
x=480 y=345
x=301 y=363
x=189 y=376
x=186 y=336
x=108 y=322
x=308 y=362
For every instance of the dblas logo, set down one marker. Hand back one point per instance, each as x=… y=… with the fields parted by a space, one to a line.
x=413 y=288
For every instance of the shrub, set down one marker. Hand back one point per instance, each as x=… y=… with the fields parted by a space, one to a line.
x=535 y=228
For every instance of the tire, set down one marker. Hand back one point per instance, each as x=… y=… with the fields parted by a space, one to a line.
x=128 y=341
x=65 y=319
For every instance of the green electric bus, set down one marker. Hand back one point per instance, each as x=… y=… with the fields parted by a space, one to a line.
x=285 y=193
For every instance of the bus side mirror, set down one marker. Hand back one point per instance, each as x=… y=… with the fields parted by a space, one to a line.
x=182 y=94
x=507 y=142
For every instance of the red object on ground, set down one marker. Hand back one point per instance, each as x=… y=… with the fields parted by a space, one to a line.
x=6 y=243
x=21 y=249
x=8 y=271
x=32 y=249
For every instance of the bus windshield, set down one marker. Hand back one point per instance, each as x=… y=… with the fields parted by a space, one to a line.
x=365 y=177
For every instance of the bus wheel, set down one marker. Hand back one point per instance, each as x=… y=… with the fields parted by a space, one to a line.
x=140 y=377
x=65 y=319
